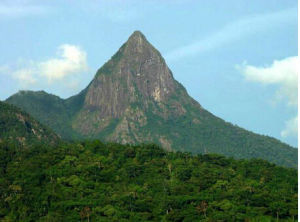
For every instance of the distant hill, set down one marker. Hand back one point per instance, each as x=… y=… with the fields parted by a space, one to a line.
x=50 y=110
x=17 y=127
x=134 y=98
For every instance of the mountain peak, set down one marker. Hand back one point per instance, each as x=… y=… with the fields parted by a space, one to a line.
x=136 y=74
x=134 y=98
x=138 y=45
x=138 y=38
x=137 y=34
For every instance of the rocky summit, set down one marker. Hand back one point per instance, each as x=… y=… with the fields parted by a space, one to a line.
x=128 y=91
x=134 y=98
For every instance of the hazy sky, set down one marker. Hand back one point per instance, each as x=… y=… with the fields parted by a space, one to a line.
x=236 y=58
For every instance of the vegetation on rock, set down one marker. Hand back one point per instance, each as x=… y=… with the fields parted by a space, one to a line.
x=134 y=99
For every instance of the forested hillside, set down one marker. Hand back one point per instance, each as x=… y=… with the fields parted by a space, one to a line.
x=93 y=181
x=17 y=127
x=49 y=109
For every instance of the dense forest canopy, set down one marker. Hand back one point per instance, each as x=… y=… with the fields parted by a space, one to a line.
x=95 y=181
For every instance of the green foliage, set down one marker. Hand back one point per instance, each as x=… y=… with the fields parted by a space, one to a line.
x=19 y=128
x=95 y=181
x=213 y=135
x=50 y=110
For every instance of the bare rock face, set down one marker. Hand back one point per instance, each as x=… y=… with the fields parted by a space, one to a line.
x=137 y=71
x=136 y=75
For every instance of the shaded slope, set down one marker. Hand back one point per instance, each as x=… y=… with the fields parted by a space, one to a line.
x=18 y=127
x=50 y=110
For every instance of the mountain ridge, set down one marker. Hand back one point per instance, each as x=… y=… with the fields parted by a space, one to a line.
x=134 y=98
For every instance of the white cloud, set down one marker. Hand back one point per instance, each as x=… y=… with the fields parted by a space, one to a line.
x=284 y=74
x=233 y=32
x=291 y=128
x=70 y=61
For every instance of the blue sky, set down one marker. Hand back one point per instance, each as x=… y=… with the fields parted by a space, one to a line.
x=236 y=58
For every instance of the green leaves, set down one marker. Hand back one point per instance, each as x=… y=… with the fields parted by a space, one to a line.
x=112 y=182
